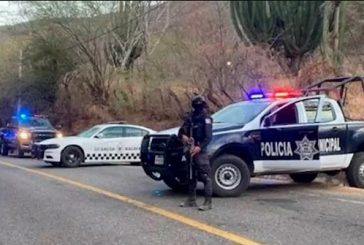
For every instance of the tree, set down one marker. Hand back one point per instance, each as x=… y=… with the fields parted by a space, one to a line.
x=334 y=24
x=104 y=35
x=46 y=62
x=296 y=27
x=125 y=44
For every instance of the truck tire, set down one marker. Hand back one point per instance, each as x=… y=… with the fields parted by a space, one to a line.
x=4 y=149
x=175 y=185
x=19 y=152
x=355 y=171
x=303 y=177
x=72 y=157
x=230 y=176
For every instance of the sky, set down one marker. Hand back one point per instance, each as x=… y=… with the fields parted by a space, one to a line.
x=9 y=13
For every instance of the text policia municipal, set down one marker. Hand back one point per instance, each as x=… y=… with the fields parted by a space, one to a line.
x=284 y=148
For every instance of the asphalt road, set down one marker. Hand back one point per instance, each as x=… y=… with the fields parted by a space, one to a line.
x=118 y=204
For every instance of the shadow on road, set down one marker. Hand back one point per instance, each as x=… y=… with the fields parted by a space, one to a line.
x=254 y=188
x=262 y=187
x=88 y=165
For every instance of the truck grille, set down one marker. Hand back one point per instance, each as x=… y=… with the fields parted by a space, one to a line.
x=158 y=144
x=40 y=136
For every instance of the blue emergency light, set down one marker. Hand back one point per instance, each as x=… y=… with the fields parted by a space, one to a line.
x=23 y=114
x=256 y=96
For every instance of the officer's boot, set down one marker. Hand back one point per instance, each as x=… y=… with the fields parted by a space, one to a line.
x=207 y=205
x=190 y=202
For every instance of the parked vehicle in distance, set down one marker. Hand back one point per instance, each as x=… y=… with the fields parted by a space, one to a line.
x=104 y=143
x=22 y=132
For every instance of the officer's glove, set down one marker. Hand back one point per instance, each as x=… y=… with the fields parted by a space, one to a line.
x=185 y=139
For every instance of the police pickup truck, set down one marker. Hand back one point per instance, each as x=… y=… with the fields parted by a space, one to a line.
x=285 y=132
x=23 y=132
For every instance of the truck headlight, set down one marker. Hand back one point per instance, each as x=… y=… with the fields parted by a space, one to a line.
x=23 y=135
x=59 y=135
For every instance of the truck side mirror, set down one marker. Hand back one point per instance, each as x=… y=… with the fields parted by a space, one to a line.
x=59 y=126
x=267 y=122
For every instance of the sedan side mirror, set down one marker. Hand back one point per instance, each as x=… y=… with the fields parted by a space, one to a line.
x=99 y=136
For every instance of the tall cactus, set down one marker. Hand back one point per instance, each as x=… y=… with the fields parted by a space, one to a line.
x=297 y=26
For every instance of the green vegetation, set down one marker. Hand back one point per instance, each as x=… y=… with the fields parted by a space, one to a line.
x=85 y=62
x=297 y=27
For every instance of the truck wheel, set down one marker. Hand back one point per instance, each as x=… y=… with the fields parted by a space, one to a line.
x=175 y=185
x=230 y=176
x=19 y=152
x=72 y=157
x=355 y=171
x=303 y=177
x=4 y=149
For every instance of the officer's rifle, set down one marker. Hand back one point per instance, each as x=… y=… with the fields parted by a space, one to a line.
x=189 y=148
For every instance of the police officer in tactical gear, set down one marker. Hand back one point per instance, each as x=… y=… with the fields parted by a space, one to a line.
x=200 y=125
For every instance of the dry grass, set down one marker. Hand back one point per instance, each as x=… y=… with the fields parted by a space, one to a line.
x=193 y=58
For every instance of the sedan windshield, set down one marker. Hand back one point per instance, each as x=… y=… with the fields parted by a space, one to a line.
x=240 y=113
x=89 y=132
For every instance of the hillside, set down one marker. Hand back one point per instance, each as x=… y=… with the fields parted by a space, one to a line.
x=191 y=53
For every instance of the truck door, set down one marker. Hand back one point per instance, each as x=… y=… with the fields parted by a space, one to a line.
x=332 y=136
x=10 y=133
x=289 y=141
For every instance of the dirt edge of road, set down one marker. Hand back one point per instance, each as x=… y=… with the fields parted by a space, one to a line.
x=336 y=180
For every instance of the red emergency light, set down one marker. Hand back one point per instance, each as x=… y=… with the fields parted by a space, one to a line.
x=291 y=93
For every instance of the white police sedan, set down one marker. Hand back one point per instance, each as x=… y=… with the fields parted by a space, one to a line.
x=104 y=143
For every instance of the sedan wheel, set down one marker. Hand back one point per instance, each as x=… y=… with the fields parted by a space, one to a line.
x=72 y=157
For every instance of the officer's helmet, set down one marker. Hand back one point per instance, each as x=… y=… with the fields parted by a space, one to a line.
x=198 y=102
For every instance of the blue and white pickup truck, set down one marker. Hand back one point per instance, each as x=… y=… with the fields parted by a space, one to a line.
x=281 y=133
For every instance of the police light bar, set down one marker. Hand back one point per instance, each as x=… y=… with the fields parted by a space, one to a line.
x=277 y=94
x=40 y=116
x=117 y=122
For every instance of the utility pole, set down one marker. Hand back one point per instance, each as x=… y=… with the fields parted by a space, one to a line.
x=20 y=72
x=20 y=75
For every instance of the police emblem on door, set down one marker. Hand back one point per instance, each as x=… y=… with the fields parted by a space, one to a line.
x=306 y=149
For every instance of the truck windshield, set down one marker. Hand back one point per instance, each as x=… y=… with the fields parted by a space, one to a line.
x=89 y=132
x=240 y=113
x=36 y=122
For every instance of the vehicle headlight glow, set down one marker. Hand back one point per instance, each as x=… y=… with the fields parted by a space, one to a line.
x=59 y=135
x=24 y=135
